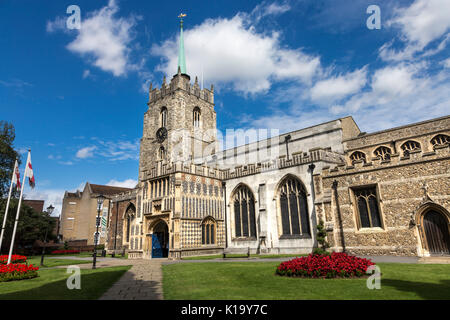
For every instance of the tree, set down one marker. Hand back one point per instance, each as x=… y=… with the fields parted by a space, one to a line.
x=7 y=156
x=321 y=239
x=32 y=226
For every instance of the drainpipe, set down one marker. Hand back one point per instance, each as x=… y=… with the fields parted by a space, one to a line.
x=338 y=209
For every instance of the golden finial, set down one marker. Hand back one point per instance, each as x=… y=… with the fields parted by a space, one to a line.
x=181 y=16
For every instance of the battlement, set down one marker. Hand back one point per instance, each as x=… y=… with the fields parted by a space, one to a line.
x=376 y=163
x=181 y=81
x=298 y=158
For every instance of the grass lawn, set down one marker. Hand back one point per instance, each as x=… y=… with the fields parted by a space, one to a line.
x=257 y=280
x=51 y=285
x=51 y=261
x=244 y=256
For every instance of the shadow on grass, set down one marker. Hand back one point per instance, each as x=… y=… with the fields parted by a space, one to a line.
x=93 y=285
x=428 y=291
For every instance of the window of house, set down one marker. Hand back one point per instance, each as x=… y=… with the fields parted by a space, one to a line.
x=293 y=208
x=383 y=152
x=161 y=153
x=366 y=200
x=164 y=117
x=244 y=212
x=357 y=156
x=440 y=140
x=209 y=231
x=196 y=117
x=409 y=146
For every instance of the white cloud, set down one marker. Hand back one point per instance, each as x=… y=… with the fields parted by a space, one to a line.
x=103 y=38
x=338 y=87
x=422 y=23
x=232 y=52
x=262 y=10
x=394 y=80
x=446 y=63
x=87 y=152
x=128 y=183
x=86 y=73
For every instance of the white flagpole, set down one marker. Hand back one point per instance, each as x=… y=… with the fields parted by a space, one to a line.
x=18 y=209
x=7 y=206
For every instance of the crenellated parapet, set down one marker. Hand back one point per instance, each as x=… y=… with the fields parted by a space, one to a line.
x=181 y=81
x=395 y=159
x=211 y=171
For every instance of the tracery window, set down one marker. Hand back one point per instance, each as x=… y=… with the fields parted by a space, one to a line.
x=145 y=190
x=367 y=206
x=196 y=117
x=164 y=117
x=209 y=231
x=409 y=146
x=383 y=152
x=244 y=212
x=161 y=153
x=293 y=208
x=357 y=156
x=440 y=140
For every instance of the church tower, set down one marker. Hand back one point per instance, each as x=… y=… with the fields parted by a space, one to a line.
x=180 y=123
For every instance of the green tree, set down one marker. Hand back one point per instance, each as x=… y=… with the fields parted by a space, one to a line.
x=7 y=156
x=32 y=226
x=321 y=239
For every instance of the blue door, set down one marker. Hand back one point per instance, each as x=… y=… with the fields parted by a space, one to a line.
x=157 y=251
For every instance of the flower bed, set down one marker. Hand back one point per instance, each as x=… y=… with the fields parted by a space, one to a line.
x=15 y=258
x=17 y=271
x=337 y=264
x=66 y=252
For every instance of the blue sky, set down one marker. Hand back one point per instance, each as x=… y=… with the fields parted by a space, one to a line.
x=77 y=97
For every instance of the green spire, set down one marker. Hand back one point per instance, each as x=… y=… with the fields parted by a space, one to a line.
x=181 y=57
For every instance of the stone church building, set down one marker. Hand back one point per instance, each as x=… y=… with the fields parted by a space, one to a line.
x=383 y=193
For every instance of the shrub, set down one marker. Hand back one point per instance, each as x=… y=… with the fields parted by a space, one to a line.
x=15 y=258
x=10 y=272
x=337 y=264
x=321 y=251
x=66 y=252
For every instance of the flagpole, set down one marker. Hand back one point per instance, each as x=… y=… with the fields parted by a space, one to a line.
x=7 y=206
x=18 y=209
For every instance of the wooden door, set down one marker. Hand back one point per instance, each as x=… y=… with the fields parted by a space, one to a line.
x=437 y=235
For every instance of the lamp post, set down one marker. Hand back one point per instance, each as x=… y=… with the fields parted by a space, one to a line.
x=50 y=209
x=100 y=200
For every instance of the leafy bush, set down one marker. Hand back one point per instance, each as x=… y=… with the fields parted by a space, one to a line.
x=15 y=258
x=66 y=252
x=11 y=272
x=338 y=264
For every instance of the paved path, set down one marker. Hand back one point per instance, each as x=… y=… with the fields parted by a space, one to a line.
x=142 y=282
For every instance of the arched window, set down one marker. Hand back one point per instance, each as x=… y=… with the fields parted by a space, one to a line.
x=196 y=117
x=209 y=231
x=368 y=209
x=440 y=140
x=161 y=153
x=357 y=156
x=409 y=146
x=244 y=212
x=129 y=216
x=293 y=208
x=164 y=117
x=383 y=152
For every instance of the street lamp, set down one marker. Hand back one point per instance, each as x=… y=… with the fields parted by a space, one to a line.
x=50 y=209
x=100 y=200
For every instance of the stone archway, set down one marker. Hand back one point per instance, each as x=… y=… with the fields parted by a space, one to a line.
x=158 y=239
x=434 y=228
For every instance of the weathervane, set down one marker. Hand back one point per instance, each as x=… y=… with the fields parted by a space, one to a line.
x=181 y=16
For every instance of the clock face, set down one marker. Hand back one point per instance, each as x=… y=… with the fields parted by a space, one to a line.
x=161 y=134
